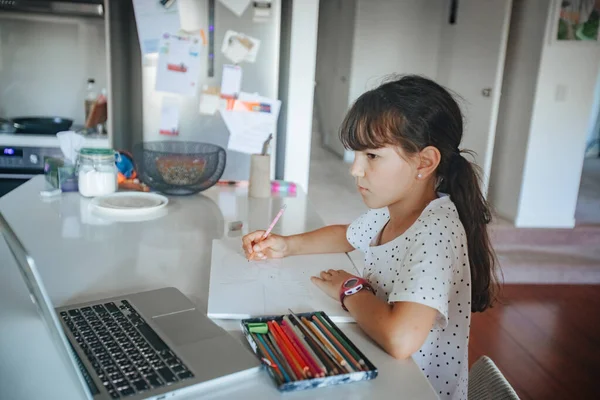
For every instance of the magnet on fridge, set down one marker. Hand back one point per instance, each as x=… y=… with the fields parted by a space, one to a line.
x=262 y=11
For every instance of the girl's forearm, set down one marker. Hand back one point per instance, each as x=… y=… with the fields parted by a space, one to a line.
x=400 y=329
x=372 y=315
x=329 y=239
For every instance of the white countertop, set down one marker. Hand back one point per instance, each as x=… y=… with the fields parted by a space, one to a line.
x=82 y=257
x=21 y=140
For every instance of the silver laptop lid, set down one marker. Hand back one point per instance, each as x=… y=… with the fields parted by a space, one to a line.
x=44 y=306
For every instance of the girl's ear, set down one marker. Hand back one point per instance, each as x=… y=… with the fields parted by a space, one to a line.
x=429 y=159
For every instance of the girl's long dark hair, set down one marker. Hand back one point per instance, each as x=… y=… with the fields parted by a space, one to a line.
x=414 y=112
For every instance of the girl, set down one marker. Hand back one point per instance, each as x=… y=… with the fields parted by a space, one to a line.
x=428 y=259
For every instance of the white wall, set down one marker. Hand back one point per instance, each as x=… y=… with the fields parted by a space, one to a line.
x=45 y=62
x=334 y=53
x=523 y=55
x=543 y=122
x=559 y=128
x=361 y=42
x=394 y=36
x=594 y=125
x=471 y=58
x=303 y=54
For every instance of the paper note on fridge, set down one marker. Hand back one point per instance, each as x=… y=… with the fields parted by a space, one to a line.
x=169 y=116
x=209 y=100
x=250 y=122
x=178 y=68
x=152 y=20
x=236 y=6
x=231 y=81
x=238 y=47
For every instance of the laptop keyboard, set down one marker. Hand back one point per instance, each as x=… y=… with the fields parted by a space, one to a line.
x=126 y=353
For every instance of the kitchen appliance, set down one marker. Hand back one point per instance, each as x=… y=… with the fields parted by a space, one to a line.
x=140 y=113
x=86 y=8
x=60 y=37
x=76 y=48
x=22 y=154
x=18 y=164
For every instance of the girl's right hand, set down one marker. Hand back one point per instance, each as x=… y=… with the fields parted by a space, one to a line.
x=274 y=246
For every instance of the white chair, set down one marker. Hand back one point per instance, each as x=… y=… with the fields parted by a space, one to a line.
x=486 y=382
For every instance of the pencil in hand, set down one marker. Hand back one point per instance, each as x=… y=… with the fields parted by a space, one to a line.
x=267 y=232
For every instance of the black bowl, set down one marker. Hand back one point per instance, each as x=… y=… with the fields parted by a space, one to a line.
x=179 y=168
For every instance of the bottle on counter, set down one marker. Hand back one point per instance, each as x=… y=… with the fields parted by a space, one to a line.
x=103 y=114
x=90 y=97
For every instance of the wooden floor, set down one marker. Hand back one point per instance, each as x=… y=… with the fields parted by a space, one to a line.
x=545 y=340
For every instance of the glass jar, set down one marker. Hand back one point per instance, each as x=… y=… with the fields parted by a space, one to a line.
x=96 y=172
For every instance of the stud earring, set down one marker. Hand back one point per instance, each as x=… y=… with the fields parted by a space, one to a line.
x=419 y=176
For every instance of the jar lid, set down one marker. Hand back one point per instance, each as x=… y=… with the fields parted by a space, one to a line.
x=97 y=154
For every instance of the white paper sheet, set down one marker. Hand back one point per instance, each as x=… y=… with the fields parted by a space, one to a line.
x=236 y=6
x=152 y=21
x=234 y=49
x=178 y=68
x=209 y=102
x=231 y=80
x=248 y=130
x=169 y=116
x=241 y=289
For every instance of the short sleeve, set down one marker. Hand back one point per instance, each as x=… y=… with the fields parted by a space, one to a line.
x=425 y=274
x=362 y=230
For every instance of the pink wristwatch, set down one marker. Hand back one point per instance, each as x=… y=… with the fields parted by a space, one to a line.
x=352 y=286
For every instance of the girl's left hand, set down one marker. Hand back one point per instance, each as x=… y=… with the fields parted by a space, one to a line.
x=331 y=281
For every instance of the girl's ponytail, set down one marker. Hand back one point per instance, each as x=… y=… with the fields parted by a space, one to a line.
x=461 y=180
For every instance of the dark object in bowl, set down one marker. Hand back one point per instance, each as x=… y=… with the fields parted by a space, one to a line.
x=41 y=125
x=179 y=168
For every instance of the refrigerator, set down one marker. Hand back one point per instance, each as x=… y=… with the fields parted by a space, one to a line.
x=135 y=105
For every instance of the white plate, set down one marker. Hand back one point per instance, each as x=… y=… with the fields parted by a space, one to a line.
x=129 y=203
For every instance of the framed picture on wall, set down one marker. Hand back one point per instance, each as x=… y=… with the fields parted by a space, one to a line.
x=576 y=21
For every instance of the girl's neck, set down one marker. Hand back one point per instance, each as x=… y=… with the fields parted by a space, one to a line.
x=406 y=211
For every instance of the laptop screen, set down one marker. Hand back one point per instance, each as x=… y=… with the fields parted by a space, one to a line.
x=38 y=295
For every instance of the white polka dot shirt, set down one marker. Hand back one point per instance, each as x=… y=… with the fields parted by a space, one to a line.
x=427 y=264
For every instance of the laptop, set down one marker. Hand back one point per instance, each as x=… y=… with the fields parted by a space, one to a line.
x=141 y=345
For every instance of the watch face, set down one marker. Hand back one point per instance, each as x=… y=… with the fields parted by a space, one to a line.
x=350 y=283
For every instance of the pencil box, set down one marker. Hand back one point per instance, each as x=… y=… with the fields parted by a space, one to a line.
x=332 y=354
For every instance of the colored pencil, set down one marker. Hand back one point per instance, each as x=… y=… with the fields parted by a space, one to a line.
x=284 y=373
x=298 y=369
x=301 y=348
x=271 y=342
x=269 y=229
x=307 y=325
x=278 y=357
x=266 y=355
x=314 y=327
x=330 y=365
x=326 y=362
x=356 y=356
x=337 y=344
x=307 y=345
x=346 y=365
x=304 y=366
x=327 y=358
